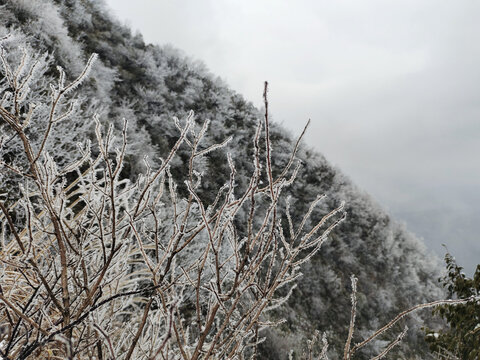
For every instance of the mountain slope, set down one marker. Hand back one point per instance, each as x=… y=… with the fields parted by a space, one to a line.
x=150 y=84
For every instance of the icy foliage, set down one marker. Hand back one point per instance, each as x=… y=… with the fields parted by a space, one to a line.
x=100 y=265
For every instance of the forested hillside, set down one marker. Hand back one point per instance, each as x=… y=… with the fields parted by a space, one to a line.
x=149 y=85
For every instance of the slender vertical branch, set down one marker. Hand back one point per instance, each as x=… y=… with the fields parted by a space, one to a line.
x=267 y=140
x=346 y=353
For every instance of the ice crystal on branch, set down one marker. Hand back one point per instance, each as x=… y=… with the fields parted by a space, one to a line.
x=100 y=264
x=94 y=263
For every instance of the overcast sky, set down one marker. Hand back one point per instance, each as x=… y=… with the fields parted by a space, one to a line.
x=392 y=88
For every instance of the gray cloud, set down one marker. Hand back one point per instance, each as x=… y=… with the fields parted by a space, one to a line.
x=392 y=89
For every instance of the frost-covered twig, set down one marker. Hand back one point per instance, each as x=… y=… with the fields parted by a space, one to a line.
x=99 y=254
x=351 y=328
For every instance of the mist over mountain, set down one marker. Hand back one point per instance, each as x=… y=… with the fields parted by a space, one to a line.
x=149 y=84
